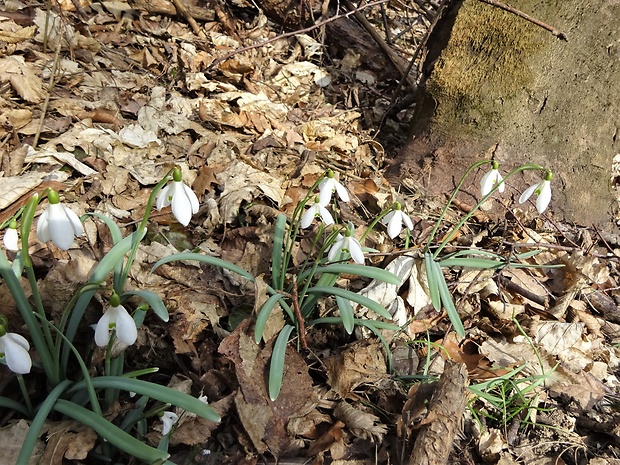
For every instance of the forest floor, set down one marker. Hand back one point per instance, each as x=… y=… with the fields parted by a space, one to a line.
x=114 y=95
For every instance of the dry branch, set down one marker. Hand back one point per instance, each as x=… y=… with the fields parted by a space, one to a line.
x=434 y=442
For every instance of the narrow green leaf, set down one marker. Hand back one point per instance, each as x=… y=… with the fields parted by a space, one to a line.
x=11 y=404
x=278 y=250
x=155 y=391
x=336 y=320
x=432 y=276
x=276 y=369
x=153 y=300
x=360 y=299
x=530 y=254
x=481 y=263
x=204 y=259
x=263 y=316
x=346 y=312
x=37 y=423
x=115 y=231
x=360 y=270
x=474 y=253
x=113 y=434
x=448 y=304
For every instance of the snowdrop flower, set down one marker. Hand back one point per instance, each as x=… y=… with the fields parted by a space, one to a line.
x=118 y=319
x=489 y=180
x=14 y=349
x=347 y=244
x=328 y=186
x=316 y=211
x=168 y=419
x=11 y=239
x=184 y=201
x=395 y=220
x=542 y=190
x=58 y=223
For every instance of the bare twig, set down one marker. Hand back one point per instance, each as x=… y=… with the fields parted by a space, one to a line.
x=504 y=6
x=394 y=58
x=50 y=88
x=292 y=33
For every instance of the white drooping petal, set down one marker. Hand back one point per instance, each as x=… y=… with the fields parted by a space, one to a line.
x=102 y=330
x=168 y=419
x=308 y=216
x=527 y=193
x=193 y=199
x=407 y=221
x=11 y=239
x=15 y=348
x=181 y=205
x=334 y=252
x=126 y=330
x=341 y=191
x=489 y=180
x=544 y=196
x=78 y=228
x=164 y=197
x=395 y=224
x=355 y=248
x=42 y=226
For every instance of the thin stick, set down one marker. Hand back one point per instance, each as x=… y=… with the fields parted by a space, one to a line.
x=504 y=6
x=182 y=10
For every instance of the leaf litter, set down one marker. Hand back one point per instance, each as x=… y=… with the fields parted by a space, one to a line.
x=133 y=92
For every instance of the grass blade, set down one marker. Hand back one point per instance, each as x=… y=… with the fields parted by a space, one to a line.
x=276 y=369
x=113 y=434
x=154 y=301
x=204 y=259
x=360 y=299
x=346 y=312
x=278 y=250
x=263 y=316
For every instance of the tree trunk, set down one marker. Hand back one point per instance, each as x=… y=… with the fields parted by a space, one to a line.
x=506 y=81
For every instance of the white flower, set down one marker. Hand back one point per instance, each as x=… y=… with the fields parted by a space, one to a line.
x=328 y=186
x=316 y=211
x=168 y=419
x=58 y=224
x=542 y=190
x=395 y=220
x=184 y=201
x=14 y=349
x=347 y=244
x=11 y=239
x=489 y=180
x=116 y=318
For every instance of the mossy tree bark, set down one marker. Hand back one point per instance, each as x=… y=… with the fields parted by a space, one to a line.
x=503 y=80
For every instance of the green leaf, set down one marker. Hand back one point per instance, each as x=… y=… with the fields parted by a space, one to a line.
x=204 y=259
x=263 y=316
x=113 y=434
x=11 y=404
x=336 y=320
x=346 y=313
x=448 y=304
x=278 y=250
x=115 y=231
x=472 y=263
x=154 y=301
x=154 y=391
x=359 y=270
x=360 y=299
x=37 y=423
x=107 y=263
x=276 y=369
x=432 y=276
